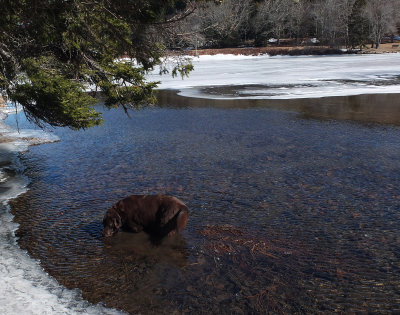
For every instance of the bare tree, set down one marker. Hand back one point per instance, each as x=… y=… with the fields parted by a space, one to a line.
x=332 y=18
x=274 y=17
x=187 y=32
x=381 y=17
x=299 y=17
x=224 y=23
x=233 y=22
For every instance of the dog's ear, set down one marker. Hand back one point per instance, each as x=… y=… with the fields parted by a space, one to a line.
x=117 y=221
x=106 y=218
x=119 y=206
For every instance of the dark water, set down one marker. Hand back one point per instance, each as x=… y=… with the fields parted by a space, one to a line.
x=286 y=214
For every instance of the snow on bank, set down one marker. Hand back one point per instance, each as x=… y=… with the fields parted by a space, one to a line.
x=288 y=77
x=25 y=288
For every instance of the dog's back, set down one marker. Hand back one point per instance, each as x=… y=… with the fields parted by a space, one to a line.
x=156 y=214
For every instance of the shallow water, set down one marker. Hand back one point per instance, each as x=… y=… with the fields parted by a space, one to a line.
x=25 y=287
x=287 y=214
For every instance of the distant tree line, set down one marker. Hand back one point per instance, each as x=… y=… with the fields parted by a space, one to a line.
x=336 y=23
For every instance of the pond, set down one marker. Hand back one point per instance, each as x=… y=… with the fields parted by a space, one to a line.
x=293 y=210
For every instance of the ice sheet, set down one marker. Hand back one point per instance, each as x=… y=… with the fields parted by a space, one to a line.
x=284 y=77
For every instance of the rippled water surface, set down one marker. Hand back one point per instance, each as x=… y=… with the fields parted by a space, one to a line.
x=286 y=214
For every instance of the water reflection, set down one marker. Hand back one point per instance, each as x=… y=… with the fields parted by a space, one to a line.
x=171 y=250
x=367 y=108
x=287 y=215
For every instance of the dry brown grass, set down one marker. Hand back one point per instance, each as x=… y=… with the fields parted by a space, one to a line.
x=383 y=48
x=290 y=50
x=273 y=51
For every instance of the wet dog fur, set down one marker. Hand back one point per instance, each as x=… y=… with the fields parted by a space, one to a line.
x=158 y=215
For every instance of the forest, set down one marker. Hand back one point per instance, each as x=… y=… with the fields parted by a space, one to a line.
x=335 y=23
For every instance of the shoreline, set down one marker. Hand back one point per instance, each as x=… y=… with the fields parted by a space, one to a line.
x=290 y=50
x=26 y=286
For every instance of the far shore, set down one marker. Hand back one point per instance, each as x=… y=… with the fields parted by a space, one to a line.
x=293 y=50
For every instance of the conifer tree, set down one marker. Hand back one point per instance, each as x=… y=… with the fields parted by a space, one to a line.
x=51 y=51
x=358 y=25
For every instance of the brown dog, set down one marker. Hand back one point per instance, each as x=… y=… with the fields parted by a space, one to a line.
x=158 y=215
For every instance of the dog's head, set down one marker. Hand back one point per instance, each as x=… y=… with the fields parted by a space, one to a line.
x=112 y=222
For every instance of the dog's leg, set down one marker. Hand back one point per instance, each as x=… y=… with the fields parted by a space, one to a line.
x=136 y=228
